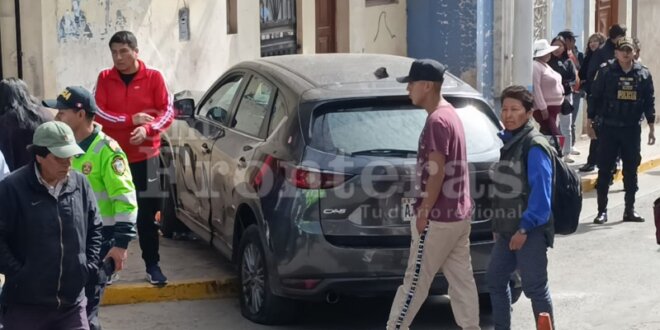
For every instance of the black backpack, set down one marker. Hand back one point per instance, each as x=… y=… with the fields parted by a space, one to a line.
x=566 y=194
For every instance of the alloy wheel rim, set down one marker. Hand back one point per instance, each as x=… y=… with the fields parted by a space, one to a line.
x=252 y=274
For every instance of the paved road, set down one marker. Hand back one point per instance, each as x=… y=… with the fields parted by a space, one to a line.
x=603 y=277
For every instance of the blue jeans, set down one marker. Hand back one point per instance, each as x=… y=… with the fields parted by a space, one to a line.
x=532 y=262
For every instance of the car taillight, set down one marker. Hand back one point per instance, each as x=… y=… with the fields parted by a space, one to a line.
x=305 y=178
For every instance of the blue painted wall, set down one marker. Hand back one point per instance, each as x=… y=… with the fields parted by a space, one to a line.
x=457 y=33
x=577 y=20
x=558 y=17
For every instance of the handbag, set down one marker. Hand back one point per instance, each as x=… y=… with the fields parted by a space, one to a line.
x=566 y=107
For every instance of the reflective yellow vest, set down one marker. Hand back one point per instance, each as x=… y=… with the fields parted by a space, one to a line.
x=106 y=168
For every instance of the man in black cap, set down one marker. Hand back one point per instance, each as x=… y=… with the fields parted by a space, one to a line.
x=106 y=167
x=599 y=58
x=441 y=231
x=622 y=92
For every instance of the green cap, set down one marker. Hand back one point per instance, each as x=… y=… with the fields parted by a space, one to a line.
x=58 y=138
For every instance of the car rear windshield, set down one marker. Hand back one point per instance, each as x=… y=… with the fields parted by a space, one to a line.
x=393 y=129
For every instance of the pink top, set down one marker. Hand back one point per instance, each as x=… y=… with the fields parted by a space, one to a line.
x=547 y=87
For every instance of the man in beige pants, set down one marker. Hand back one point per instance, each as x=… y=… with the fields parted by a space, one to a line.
x=441 y=232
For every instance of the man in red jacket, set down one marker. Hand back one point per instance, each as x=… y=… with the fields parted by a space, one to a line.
x=134 y=108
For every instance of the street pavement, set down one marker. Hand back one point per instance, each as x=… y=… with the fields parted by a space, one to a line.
x=602 y=277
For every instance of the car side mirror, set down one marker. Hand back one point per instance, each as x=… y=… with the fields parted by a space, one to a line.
x=185 y=108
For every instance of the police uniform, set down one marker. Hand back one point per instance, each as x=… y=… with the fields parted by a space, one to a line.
x=621 y=99
x=106 y=167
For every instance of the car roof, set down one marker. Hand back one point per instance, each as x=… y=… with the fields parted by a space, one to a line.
x=330 y=76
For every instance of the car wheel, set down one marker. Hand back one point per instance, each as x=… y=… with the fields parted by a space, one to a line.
x=258 y=303
x=169 y=223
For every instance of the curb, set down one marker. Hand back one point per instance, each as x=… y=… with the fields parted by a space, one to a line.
x=589 y=181
x=134 y=293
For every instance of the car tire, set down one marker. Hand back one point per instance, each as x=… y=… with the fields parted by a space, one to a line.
x=169 y=223
x=258 y=303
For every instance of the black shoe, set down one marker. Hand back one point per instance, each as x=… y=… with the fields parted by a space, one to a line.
x=587 y=168
x=632 y=216
x=601 y=218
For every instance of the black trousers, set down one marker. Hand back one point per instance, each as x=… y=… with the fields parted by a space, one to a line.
x=146 y=178
x=615 y=141
x=95 y=287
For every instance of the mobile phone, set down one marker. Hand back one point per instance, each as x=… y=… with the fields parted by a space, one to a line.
x=109 y=266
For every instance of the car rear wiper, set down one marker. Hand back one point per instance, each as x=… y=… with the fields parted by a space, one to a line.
x=384 y=152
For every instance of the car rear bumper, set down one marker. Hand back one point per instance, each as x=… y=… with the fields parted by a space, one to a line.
x=330 y=289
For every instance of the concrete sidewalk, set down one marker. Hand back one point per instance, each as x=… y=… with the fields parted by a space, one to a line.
x=650 y=159
x=193 y=268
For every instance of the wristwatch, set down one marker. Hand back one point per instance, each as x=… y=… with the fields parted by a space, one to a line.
x=522 y=231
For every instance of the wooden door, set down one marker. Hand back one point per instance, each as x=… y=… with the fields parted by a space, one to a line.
x=607 y=13
x=326 y=32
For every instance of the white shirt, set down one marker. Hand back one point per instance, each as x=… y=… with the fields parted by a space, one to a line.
x=53 y=190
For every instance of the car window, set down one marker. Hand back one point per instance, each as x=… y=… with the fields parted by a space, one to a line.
x=347 y=131
x=279 y=111
x=253 y=107
x=217 y=106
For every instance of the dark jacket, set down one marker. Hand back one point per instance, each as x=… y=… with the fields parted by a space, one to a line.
x=512 y=185
x=14 y=139
x=599 y=58
x=48 y=247
x=621 y=99
x=565 y=67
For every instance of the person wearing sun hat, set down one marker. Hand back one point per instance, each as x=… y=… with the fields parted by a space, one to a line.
x=622 y=93
x=50 y=236
x=547 y=88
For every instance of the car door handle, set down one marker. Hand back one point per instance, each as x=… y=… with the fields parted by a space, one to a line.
x=247 y=148
x=205 y=148
x=242 y=163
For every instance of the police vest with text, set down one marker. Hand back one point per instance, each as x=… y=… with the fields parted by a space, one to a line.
x=625 y=96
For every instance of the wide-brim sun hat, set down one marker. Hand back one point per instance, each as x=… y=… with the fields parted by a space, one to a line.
x=542 y=47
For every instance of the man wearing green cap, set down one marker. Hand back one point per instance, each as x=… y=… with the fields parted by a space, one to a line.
x=106 y=167
x=50 y=236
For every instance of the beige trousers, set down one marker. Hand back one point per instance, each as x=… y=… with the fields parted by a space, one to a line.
x=443 y=246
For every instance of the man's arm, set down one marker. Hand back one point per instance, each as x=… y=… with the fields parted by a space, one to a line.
x=649 y=109
x=121 y=191
x=539 y=178
x=164 y=105
x=436 y=168
x=94 y=226
x=105 y=116
x=9 y=265
x=596 y=96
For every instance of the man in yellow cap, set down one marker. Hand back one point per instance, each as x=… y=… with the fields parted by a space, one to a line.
x=50 y=236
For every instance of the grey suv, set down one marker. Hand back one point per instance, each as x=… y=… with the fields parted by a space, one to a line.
x=301 y=169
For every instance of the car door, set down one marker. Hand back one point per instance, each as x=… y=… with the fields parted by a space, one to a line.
x=233 y=155
x=209 y=123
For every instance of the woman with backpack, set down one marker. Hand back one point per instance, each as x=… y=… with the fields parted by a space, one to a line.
x=562 y=64
x=522 y=207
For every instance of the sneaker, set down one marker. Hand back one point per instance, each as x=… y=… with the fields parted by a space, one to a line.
x=568 y=160
x=155 y=275
x=575 y=153
x=587 y=168
x=113 y=278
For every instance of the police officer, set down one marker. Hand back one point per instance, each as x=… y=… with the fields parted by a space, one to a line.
x=622 y=92
x=106 y=167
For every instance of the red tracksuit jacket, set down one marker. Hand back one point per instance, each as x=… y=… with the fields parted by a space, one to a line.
x=118 y=103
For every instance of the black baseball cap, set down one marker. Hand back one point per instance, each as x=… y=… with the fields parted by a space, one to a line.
x=73 y=97
x=625 y=42
x=424 y=69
